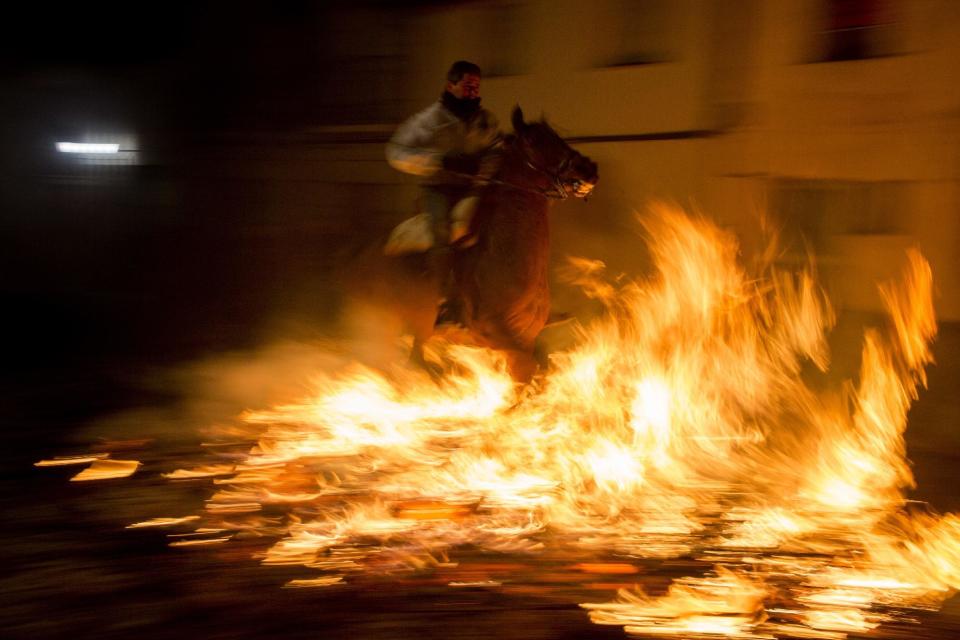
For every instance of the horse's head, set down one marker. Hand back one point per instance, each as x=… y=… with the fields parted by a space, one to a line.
x=563 y=171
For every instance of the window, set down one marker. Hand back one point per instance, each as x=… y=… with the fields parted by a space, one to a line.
x=504 y=27
x=820 y=209
x=857 y=30
x=641 y=32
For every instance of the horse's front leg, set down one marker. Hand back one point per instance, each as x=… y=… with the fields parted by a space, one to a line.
x=517 y=347
x=521 y=364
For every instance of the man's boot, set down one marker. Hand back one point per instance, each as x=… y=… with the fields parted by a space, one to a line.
x=441 y=263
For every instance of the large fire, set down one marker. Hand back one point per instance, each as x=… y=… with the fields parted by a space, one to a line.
x=683 y=425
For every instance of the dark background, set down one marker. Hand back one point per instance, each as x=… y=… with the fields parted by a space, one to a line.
x=112 y=276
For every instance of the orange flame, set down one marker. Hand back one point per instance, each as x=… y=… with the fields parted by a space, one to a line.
x=680 y=425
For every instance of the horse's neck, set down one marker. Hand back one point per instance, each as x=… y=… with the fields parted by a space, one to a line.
x=520 y=181
x=514 y=213
x=515 y=170
x=516 y=189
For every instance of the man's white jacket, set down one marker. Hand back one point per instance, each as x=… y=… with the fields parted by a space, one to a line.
x=420 y=144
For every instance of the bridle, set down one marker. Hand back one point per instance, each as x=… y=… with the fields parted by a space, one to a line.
x=556 y=189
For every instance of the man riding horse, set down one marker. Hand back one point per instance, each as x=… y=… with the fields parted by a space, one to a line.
x=500 y=266
x=454 y=146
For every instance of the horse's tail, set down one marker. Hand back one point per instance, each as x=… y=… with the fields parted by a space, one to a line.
x=385 y=298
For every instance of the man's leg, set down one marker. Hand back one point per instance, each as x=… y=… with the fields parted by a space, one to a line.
x=438 y=203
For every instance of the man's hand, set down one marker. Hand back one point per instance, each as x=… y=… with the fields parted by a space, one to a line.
x=461 y=163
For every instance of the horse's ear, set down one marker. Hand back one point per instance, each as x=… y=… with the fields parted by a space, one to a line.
x=516 y=119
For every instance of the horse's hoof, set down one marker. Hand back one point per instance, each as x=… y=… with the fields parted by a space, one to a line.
x=433 y=369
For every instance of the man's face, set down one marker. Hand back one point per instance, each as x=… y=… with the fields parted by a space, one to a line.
x=468 y=87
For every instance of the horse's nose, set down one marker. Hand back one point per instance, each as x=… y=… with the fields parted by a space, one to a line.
x=587 y=169
x=594 y=175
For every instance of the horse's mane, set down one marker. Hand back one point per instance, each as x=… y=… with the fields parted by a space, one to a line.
x=510 y=166
x=509 y=139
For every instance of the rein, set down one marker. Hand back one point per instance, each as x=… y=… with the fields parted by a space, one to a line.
x=556 y=191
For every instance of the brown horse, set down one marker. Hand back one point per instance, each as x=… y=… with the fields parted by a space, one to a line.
x=502 y=285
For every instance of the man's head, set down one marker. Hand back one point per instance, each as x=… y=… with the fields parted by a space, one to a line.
x=463 y=80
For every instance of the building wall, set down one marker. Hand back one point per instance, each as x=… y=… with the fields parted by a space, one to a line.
x=744 y=108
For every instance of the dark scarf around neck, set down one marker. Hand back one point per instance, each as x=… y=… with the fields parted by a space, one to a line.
x=463 y=108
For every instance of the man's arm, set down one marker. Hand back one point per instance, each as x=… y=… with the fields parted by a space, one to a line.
x=492 y=156
x=411 y=150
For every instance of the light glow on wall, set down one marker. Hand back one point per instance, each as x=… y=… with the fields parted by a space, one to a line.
x=87 y=147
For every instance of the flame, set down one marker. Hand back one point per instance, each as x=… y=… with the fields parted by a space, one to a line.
x=681 y=425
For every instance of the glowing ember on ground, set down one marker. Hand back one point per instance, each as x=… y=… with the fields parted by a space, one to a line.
x=69 y=460
x=681 y=426
x=107 y=469
x=162 y=522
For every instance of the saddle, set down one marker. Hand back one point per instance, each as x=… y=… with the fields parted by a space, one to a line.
x=415 y=234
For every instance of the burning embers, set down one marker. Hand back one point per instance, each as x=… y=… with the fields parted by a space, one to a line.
x=680 y=427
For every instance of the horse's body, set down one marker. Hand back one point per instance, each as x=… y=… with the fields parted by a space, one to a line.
x=501 y=281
